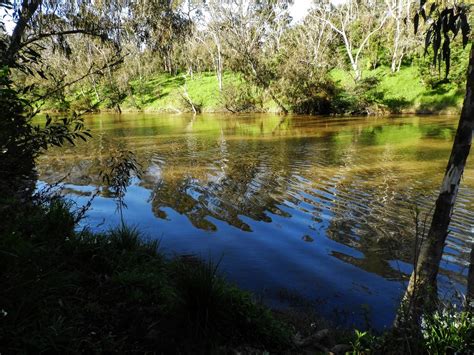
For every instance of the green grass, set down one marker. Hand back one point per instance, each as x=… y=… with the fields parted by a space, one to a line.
x=405 y=91
x=163 y=92
x=402 y=92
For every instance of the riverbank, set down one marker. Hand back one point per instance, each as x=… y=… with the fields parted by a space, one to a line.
x=380 y=92
x=65 y=290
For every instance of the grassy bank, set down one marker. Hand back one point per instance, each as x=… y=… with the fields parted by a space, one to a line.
x=379 y=92
x=404 y=91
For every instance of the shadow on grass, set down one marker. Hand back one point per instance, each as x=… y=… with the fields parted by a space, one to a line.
x=397 y=104
x=440 y=98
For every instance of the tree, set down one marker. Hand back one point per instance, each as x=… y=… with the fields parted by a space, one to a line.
x=400 y=12
x=422 y=288
x=249 y=28
x=343 y=17
x=41 y=26
x=215 y=32
x=38 y=20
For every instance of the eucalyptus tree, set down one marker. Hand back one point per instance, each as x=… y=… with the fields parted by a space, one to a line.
x=251 y=31
x=313 y=37
x=214 y=30
x=355 y=22
x=41 y=27
x=158 y=25
x=401 y=11
x=304 y=60
x=36 y=21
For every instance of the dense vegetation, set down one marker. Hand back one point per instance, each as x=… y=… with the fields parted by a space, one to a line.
x=381 y=93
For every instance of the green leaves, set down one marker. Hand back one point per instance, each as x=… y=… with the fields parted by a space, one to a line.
x=448 y=331
x=60 y=130
x=121 y=167
x=443 y=29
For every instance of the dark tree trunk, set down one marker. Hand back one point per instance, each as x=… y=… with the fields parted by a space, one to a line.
x=28 y=9
x=422 y=288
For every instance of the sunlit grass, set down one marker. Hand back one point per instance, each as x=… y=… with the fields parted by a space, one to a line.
x=407 y=87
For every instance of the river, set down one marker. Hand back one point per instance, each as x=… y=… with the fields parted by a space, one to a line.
x=302 y=210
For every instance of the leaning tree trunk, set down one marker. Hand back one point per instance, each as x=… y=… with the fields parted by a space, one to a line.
x=422 y=288
x=28 y=9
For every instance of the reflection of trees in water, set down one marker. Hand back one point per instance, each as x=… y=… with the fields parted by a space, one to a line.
x=355 y=184
x=235 y=183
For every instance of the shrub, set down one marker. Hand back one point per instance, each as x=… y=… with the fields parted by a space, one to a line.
x=82 y=103
x=241 y=98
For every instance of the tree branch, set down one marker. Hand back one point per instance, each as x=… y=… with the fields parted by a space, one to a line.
x=89 y=72
x=26 y=13
x=370 y=35
x=60 y=33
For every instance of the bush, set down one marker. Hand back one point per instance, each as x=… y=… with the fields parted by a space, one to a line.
x=82 y=103
x=364 y=98
x=432 y=76
x=241 y=98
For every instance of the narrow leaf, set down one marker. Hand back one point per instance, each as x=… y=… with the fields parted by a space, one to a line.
x=416 y=20
x=432 y=8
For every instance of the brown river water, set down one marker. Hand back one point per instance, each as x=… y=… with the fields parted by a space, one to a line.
x=314 y=209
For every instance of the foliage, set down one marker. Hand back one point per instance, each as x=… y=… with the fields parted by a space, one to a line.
x=290 y=63
x=363 y=342
x=399 y=92
x=445 y=331
x=444 y=26
x=241 y=98
x=364 y=98
x=21 y=141
x=403 y=91
x=121 y=166
x=114 y=94
x=432 y=76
